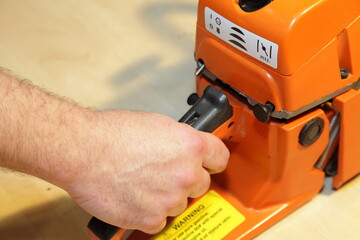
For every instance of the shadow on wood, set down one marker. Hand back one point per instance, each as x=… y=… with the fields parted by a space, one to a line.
x=55 y=220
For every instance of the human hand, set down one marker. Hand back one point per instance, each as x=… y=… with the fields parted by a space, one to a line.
x=141 y=168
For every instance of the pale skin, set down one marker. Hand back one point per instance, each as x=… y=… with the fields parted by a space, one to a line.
x=130 y=169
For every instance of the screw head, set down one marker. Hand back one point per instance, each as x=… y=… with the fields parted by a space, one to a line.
x=344 y=73
x=263 y=112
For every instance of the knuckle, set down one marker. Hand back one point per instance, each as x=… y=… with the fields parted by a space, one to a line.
x=183 y=205
x=154 y=223
x=173 y=202
x=193 y=142
x=204 y=187
x=187 y=178
x=207 y=181
x=198 y=146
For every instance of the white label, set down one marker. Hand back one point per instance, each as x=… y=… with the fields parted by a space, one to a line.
x=240 y=38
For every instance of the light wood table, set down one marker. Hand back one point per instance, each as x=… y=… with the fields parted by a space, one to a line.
x=134 y=55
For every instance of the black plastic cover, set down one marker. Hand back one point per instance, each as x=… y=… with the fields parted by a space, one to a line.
x=253 y=5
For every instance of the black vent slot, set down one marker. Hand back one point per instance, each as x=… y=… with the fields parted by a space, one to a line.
x=237 y=30
x=238 y=44
x=237 y=37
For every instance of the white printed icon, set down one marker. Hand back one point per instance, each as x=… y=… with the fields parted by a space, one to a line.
x=242 y=39
x=265 y=50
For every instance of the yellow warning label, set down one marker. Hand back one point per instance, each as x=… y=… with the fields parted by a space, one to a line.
x=211 y=218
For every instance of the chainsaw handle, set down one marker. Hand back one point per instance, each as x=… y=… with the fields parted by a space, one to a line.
x=100 y=230
x=207 y=114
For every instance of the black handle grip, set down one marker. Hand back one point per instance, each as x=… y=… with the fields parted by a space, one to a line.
x=102 y=230
x=208 y=113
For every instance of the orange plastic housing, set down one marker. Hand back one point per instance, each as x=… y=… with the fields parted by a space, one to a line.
x=270 y=174
x=349 y=152
x=315 y=39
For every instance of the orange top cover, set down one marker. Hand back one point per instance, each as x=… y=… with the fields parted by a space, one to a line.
x=310 y=41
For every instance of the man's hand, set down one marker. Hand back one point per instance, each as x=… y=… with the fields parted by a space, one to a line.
x=129 y=169
x=142 y=167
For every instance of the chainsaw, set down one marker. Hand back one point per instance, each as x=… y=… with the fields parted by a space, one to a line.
x=277 y=81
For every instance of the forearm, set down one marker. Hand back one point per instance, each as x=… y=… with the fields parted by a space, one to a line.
x=37 y=131
x=131 y=169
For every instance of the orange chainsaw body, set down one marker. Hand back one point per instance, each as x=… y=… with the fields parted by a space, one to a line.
x=315 y=39
x=270 y=173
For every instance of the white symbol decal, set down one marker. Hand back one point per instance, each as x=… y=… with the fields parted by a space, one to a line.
x=242 y=39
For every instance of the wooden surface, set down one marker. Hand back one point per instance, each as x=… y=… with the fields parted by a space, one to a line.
x=120 y=54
